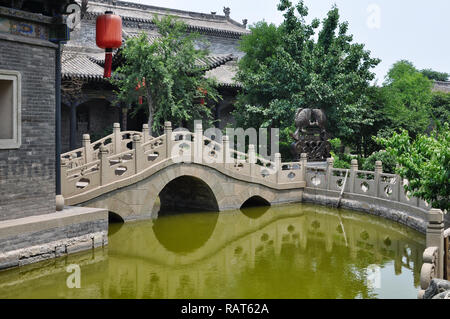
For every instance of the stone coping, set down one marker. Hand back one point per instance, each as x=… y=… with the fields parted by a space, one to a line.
x=411 y=216
x=69 y=216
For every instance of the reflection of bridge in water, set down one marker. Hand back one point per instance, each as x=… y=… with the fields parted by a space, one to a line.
x=309 y=245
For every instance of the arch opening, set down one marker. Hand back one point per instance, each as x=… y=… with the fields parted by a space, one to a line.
x=115 y=223
x=187 y=194
x=114 y=218
x=255 y=201
x=255 y=207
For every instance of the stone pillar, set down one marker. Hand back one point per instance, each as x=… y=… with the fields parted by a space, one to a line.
x=73 y=127
x=198 y=143
x=226 y=150
x=252 y=159
x=146 y=133
x=117 y=139
x=124 y=122
x=169 y=137
x=330 y=166
x=138 y=153
x=104 y=165
x=303 y=163
x=353 y=169
x=378 y=172
x=435 y=237
x=87 y=148
x=278 y=166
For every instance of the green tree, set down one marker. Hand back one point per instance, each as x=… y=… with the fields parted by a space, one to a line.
x=162 y=75
x=425 y=163
x=297 y=71
x=435 y=75
x=440 y=107
x=408 y=98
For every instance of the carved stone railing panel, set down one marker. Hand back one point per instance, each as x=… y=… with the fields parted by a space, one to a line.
x=316 y=177
x=364 y=183
x=428 y=272
x=337 y=179
x=388 y=187
x=290 y=173
x=80 y=179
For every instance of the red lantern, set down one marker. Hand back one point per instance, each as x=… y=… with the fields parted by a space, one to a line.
x=109 y=37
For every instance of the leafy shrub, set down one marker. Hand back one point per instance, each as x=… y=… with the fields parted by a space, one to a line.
x=389 y=162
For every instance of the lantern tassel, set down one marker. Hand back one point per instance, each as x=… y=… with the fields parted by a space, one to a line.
x=108 y=63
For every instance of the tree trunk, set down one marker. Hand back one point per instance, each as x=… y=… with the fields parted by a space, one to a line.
x=150 y=112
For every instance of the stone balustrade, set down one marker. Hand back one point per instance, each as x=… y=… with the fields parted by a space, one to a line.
x=124 y=155
x=436 y=255
x=124 y=158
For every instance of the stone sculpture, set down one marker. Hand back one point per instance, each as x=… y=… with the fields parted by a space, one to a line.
x=438 y=289
x=311 y=136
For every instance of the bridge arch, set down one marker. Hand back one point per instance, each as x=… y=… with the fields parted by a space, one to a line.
x=213 y=190
x=255 y=201
x=187 y=193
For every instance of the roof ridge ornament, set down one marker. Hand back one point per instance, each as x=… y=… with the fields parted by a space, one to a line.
x=227 y=12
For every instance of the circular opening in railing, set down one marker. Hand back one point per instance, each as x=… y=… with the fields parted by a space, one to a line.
x=365 y=187
x=119 y=171
x=315 y=180
x=83 y=183
x=152 y=157
x=408 y=195
x=291 y=175
x=127 y=157
x=388 y=190
x=265 y=173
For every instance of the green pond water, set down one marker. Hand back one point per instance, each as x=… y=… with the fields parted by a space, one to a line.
x=292 y=251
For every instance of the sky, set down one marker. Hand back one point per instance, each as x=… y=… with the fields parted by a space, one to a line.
x=415 y=30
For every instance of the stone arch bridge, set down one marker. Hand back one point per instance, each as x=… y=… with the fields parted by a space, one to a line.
x=134 y=175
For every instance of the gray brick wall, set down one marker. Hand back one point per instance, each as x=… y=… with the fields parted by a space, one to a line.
x=27 y=175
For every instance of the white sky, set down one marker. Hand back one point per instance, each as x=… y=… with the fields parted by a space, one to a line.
x=416 y=30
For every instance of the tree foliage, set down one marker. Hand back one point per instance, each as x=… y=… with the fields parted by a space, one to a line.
x=435 y=75
x=162 y=75
x=286 y=68
x=425 y=163
x=408 y=98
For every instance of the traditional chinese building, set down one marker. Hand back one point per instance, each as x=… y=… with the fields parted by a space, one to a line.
x=30 y=227
x=92 y=110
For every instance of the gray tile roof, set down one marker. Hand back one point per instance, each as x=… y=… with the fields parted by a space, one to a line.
x=80 y=65
x=440 y=86
x=89 y=66
x=225 y=74
x=133 y=12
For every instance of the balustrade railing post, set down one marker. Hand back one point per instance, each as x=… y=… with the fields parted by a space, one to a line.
x=353 y=169
x=169 y=138
x=117 y=138
x=138 y=153
x=198 y=143
x=330 y=166
x=226 y=150
x=252 y=158
x=435 y=237
x=278 y=166
x=146 y=133
x=87 y=148
x=303 y=163
x=103 y=156
x=378 y=172
x=64 y=168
